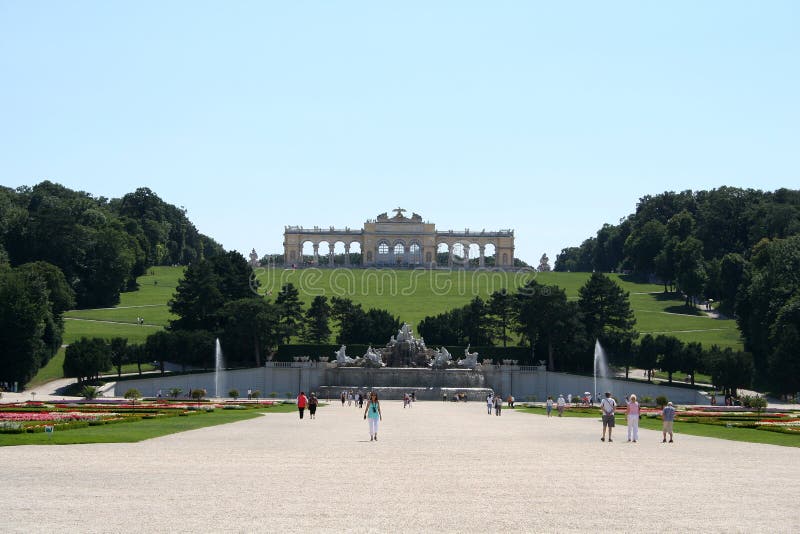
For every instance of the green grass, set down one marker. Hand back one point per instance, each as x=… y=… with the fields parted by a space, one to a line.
x=139 y=430
x=749 y=435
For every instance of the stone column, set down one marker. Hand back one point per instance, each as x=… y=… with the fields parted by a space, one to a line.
x=331 y=255
x=449 y=255
x=316 y=253
x=347 y=254
x=481 y=259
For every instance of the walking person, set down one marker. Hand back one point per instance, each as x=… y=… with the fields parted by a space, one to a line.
x=373 y=415
x=549 y=405
x=561 y=403
x=312 y=406
x=632 y=412
x=498 y=404
x=343 y=397
x=667 y=418
x=489 y=403
x=302 y=402
x=608 y=407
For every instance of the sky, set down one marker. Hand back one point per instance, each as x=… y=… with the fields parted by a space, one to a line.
x=551 y=118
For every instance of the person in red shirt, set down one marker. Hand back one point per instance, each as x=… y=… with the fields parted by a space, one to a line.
x=302 y=402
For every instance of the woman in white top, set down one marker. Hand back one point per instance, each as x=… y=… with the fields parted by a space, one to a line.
x=633 y=418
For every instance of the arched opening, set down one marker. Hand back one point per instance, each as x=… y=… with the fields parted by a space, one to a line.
x=324 y=253
x=338 y=254
x=442 y=254
x=489 y=253
x=355 y=253
x=414 y=253
x=308 y=253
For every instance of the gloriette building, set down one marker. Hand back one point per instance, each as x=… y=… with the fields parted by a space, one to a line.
x=402 y=241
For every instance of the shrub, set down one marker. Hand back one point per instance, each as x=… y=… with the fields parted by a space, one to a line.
x=255 y=394
x=273 y=394
x=647 y=400
x=755 y=402
x=198 y=394
x=132 y=395
x=89 y=392
x=234 y=394
x=288 y=395
x=661 y=401
x=175 y=392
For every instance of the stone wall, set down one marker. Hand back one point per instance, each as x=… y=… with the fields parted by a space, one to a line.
x=522 y=382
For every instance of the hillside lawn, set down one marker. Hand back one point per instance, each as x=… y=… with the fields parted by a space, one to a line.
x=409 y=294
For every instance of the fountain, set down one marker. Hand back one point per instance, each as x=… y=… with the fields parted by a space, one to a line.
x=218 y=368
x=600 y=365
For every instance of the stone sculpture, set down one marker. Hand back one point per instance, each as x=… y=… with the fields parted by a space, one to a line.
x=342 y=359
x=470 y=360
x=372 y=358
x=441 y=359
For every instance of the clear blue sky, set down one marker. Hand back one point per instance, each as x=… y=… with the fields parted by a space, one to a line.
x=551 y=118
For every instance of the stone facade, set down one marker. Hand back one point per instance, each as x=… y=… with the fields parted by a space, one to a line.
x=400 y=241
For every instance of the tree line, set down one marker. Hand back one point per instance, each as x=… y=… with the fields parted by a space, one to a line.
x=218 y=298
x=737 y=247
x=562 y=333
x=100 y=245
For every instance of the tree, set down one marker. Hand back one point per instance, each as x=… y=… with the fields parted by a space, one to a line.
x=501 y=305
x=197 y=298
x=26 y=326
x=730 y=370
x=381 y=325
x=784 y=362
x=132 y=395
x=692 y=359
x=290 y=311
x=476 y=323
x=249 y=330
x=86 y=358
x=119 y=352
x=647 y=355
x=606 y=313
x=543 y=317
x=644 y=244
x=690 y=269
x=317 y=325
x=670 y=351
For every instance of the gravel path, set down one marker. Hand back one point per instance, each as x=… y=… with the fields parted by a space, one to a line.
x=437 y=467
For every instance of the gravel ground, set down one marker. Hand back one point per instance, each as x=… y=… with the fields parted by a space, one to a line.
x=437 y=467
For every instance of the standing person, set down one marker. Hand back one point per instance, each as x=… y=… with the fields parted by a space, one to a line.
x=373 y=415
x=498 y=404
x=633 y=418
x=302 y=402
x=350 y=398
x=413 y=396
x=312 y=406
x=343 y=396
x=608 y=407
x=549 y=405
x=561 y=403
x=405 y=400
x=489 y=403
x=667 y=418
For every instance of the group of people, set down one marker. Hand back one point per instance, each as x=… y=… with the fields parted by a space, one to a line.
x=310 y=402
x=352 y=397
x=608 y=408
x=560 y=404
x=495 y=400
x=409 y=399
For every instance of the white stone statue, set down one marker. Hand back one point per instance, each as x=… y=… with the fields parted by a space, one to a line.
x=342 y=358
x=470 y=360
x=372 y=358
x=441 y=359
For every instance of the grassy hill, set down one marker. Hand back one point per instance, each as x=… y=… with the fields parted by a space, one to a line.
x=409 y=294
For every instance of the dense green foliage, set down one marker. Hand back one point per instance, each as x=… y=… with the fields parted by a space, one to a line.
x=87 y=358
x=738 y=247
x=100 y=245
x=556 y=330
x=33 y=298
